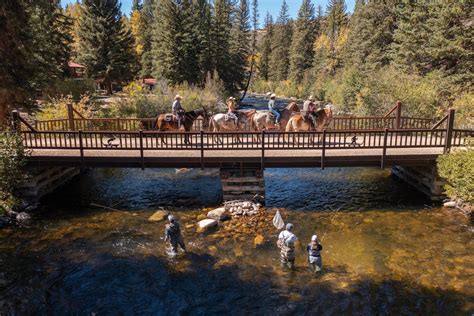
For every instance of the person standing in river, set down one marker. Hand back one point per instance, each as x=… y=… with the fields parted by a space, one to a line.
x=173 y=235
x=314 y=254
x=286 y=243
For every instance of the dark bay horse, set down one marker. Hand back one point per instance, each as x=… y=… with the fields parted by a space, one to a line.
x=168 y=122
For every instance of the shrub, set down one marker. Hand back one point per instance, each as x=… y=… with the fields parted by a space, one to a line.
x=457 y=168
x=464 y=106
x=12 y=160
x=56 y=108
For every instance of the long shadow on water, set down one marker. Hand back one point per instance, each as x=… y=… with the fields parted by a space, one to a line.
x=130 y=285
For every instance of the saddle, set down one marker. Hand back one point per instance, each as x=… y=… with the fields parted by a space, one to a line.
x=169 y=117
x=230 y=117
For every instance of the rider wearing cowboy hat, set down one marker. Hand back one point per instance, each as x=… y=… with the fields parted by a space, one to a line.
x=309 y=109
x=272 y=108
x=232 y=109
x=177 y=109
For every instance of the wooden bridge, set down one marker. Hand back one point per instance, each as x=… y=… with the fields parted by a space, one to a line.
x=390 y=140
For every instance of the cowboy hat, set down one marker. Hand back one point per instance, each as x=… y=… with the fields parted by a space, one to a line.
x=312 y=98
x=273 y=95
x=178 y=97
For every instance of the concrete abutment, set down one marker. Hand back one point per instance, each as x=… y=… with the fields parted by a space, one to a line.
x=425 y=179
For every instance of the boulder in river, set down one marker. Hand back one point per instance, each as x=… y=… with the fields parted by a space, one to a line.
x=23 y=217
x=219 y=214
x=450 y=204
x=206 y=224
x=158 y=216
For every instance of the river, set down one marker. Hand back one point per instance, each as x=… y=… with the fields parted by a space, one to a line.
x=386 y=249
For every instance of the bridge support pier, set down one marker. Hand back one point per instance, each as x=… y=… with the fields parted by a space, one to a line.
x=242 y=184
x=423 y=178
x=46 y=180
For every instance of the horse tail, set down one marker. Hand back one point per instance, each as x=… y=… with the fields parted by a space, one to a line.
x=289 y=125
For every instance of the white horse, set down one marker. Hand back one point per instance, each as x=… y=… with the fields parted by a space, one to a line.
x=222 y=123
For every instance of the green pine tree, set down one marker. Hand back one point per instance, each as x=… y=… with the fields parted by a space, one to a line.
x=240 y=48
x=336 y=20
x=301 y=51
x=280 y=57
x=16 y=68
x=146 y=60
x=201 y=15
x=221 y=35
x=451 y=42
x=265 y=48
x=410 y=49
x=371 y=35
x=106 y=46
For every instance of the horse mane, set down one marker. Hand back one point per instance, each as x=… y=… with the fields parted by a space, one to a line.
x=291 y=104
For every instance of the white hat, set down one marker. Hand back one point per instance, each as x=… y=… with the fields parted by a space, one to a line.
x=273 y=95
x=314 y=238
x=178 y=97
x=312 y=98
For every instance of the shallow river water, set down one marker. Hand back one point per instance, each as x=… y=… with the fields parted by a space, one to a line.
x=386 y=250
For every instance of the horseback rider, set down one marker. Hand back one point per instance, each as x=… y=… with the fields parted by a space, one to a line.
x=232 y=110
x=177 y=109
x=173 y=235
x=309 y=109
x=286 y=243
x=272 y=108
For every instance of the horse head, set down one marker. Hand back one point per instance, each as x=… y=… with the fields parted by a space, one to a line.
x=293 y=107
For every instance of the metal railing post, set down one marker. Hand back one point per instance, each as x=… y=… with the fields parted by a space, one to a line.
x=202 y=149
x=81 y=147
x=70 y=116
x=16 y=123
x=323 y=152
x=262 y=158
x=142 y=160
x=384 y=150
x=398 y=115
x=449 y=130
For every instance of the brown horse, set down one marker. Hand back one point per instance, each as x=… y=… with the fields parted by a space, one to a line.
x=265 y=120
x=168 y=122
x=299 y=122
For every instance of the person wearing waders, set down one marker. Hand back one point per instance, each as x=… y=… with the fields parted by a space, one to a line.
x=173 y=235
x=286 y=243
x=314 y=255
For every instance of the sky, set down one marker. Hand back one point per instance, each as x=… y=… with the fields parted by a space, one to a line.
x=272 y=6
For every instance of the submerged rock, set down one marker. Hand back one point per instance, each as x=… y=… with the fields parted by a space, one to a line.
x=206 y=224
x=259 y=240
x=23 y=217
x=158 y=216
x=450 y=204
x=219 y=214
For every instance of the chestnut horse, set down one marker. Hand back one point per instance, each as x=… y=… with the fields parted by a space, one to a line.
x=299 y=122
x=169 y=122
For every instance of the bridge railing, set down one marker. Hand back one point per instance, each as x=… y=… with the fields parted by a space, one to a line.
x=328 y=139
